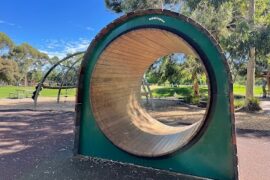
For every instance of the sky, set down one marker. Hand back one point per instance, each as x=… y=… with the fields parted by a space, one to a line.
x=56 y=27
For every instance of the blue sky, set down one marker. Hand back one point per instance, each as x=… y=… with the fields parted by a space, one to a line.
x=54 y=26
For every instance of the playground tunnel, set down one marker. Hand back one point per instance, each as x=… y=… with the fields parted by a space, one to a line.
x=116 y=87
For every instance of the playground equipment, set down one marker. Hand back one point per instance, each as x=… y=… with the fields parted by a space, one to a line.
x=266 y=76
x=110 y=122
x=146 y=91
x=40 y=85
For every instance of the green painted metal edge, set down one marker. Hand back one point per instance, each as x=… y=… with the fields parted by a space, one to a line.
x=211 y=153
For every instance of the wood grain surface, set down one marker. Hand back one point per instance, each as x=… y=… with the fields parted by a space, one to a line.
x=115 y=93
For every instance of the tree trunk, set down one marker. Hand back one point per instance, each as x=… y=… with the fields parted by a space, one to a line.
x=251 y=62
x=196 y=87
x=25 y=80
x=264 y=83
x=250 y=74
x=268 y=82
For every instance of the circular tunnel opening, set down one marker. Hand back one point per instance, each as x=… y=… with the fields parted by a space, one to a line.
x=175 y=90
x=116 y=93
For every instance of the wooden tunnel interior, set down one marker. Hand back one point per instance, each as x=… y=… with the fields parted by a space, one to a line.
x=116 y=87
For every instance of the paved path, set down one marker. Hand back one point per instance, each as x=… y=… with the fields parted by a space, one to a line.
x=253 y=144
x=38 y=145
x=265 y=105
x=254 y=158
x=31 y=142
x=30 y=139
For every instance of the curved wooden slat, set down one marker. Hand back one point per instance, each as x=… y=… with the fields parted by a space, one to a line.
x=115 y=93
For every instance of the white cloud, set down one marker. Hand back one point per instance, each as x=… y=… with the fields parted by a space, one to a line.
x=80 y=45
x=54 y=53
x=88 y=28
x=61 y=48
x=9 y=24
x=53 y=43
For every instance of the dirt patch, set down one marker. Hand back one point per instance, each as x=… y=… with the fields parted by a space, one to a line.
x=174 y=112
x=177 y=116
x=44 y=103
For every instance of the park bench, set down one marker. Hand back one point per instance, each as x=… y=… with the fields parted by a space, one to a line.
x=28 y=93
x=20 y=93
x=12 y=95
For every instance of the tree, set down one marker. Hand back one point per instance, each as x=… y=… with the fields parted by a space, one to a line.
x=247 y=36
x=243 y=33
x=192 y=69
x=125 y=6
x=251 y=56
x=215 y=19
x=259 y=48
x=152 y=76
x=193 y=4
x=27 y=57
x=169 y=70
x=9 y=71
x=253 y=44
x=34 y=75
x=54 y=60
x=6 y=44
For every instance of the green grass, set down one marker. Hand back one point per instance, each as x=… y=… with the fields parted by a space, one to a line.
x=5 y=90
x=241 y=90
x=186 y=91
x=165 y=91
x=183 y=91
x=239 y=102
x=158 y=91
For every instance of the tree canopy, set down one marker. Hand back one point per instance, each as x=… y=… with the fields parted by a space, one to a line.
x=5 y=44
x=9 y=71
x=27 y=58
x=21 y=62
x=232 y=24
x=125 y=6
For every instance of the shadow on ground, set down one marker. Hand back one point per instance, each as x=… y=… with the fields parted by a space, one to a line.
x=97 y=169
x=27 y=138
x=253 y=133
x=38 y=145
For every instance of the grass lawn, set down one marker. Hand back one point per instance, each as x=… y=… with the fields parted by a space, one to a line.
x=158 y=91
x=166 y=91
x=183 y=91
x=5 y=90
x=241 y=90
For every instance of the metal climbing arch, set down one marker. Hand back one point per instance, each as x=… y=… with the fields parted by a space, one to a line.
x=78 y=57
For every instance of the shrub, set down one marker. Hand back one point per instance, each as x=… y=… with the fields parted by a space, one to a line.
x=195 y=100
x=188 y=99
x=253 y=105
x=192 y=99
x=239 y=103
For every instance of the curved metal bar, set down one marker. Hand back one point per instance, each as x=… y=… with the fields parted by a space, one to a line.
x=40 y=84
x=64 y=79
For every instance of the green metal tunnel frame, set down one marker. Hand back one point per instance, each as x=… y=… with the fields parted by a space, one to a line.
x=212 y=152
